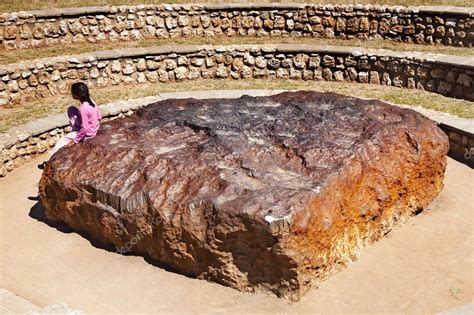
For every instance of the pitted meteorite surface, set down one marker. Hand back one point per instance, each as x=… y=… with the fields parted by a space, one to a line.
x=271 y=193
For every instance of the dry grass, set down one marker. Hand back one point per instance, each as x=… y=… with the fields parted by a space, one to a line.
x=29 y=111
x=8 y=57
x=17 y=5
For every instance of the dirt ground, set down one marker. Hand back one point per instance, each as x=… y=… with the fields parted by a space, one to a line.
x=424 y=266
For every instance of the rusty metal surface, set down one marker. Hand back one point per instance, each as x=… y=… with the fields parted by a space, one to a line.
x=258 y=193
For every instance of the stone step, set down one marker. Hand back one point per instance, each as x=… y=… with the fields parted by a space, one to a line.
x=460 y=310
x=11 y=303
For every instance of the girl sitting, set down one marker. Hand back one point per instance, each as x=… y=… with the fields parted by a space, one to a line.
x=85 y=121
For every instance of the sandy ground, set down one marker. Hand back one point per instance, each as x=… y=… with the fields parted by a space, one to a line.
x=424 y=266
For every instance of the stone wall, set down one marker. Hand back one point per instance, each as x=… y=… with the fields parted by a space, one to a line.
x=422 y=25
x=461 y=144
x=21 y=143
x=447 y=75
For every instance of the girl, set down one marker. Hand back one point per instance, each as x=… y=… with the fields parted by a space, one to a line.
x=85 y=121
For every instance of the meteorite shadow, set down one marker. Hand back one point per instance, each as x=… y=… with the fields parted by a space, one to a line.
x=461 y=158
x=37 y=213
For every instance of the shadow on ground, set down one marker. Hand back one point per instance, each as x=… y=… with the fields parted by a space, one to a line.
x=462 y=159
x=37 y=212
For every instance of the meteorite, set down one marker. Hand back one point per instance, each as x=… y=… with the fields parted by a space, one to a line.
x=257 y=193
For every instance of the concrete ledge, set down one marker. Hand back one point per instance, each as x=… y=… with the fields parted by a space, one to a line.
x=84 y=11
x=20 y=143
x=460 y=310
x=254 y=6
x=11 y=303
x=448 y=10
x=78 y=11
x=14 y=304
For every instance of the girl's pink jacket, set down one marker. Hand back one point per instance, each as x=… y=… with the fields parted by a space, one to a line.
x=90 y=117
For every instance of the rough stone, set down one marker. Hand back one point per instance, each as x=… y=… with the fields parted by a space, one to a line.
x=141 y=65
x=116 y=66
x=314 y=62
x=363 y=77
x=464 y=79
x=129 y=69
x=327 y=74
x=181 y=73
x=221 y=71
x=260 y=62
x=300 y=61
x=329 y=61
x=10 y=32
x=374 y=77
x=152 y=76
x=339 y=76
x=170 y=64
x=272 y=193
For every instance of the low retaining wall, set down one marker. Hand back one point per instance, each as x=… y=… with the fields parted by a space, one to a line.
x=440 y=25
x=22 y=143
x=447 y=75
x=461 y=144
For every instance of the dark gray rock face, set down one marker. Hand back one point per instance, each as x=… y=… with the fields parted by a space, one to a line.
x=267 y=193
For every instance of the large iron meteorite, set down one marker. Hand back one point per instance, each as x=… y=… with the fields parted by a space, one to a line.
x=257 y=193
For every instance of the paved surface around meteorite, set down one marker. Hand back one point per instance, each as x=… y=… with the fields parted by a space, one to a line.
x=423 y=266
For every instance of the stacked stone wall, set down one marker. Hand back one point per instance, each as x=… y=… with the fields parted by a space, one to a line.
x=422 y=25
x=461 y=144
x=449 y=76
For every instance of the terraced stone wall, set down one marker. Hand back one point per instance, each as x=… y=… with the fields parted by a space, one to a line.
x=450 y=76
x=422 y=25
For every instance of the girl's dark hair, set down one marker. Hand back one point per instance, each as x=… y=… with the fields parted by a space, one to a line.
x=80 y=91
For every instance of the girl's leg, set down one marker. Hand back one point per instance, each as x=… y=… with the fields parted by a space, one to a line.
x=61 y=143
x=74 y=122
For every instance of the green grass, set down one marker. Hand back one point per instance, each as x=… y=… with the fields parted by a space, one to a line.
x=8 y=57
x=28 y=111
x=18 y=5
